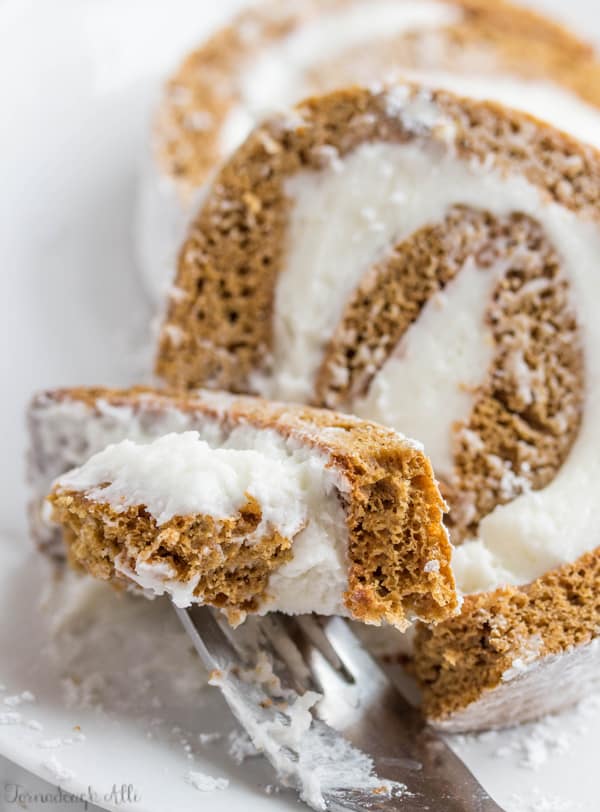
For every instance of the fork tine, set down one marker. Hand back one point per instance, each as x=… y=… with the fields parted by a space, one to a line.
x=288 y=648
x=300 y=756
x=330 y=678
x=308 y=634
x=358 y=717
x=356 y=660
x=215 y=649
x=313 y=626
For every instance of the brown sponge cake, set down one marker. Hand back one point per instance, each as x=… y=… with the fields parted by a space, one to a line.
x=428 y=262
x=515 y=653
x=248 y=505
x=276 y=53
x=462 y=37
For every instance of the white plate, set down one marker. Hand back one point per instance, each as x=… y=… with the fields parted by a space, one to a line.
x=76 y=82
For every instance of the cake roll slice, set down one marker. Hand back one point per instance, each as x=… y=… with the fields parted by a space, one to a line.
x=248 y=505
x=431 y=263
x=276 y=53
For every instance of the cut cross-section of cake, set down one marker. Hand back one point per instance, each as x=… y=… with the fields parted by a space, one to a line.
x=251 y=506
x=277 y=52
x=431 y=263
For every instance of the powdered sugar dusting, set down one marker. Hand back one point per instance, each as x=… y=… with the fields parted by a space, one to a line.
x=205 y=783
x=241 y=746
x=66 y=741
x=57 y=770
x=18 y=699
x=418 y=112
x=528 y=654
x=10 y=718
x=207 y=739
x=432 y=566
x=532 y=746
x=539 y=801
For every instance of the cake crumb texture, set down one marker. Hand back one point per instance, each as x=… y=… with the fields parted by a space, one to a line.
x=460 y=661
x=491 y=39
x=392 y=504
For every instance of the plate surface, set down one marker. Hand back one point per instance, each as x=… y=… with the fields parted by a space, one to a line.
x=77 y=80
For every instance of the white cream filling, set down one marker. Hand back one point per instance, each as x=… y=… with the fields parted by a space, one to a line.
x=181 y=475
x=157 y=579
x=451 y=341
x=343 y=218
x=66 y=433
x=270 y=82
x=277 y=76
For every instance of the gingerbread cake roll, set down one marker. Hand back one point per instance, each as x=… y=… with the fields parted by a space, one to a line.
x=276 y=53
x=431 y=263
x=247 y=505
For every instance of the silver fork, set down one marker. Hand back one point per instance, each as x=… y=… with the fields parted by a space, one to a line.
x=360 y=717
